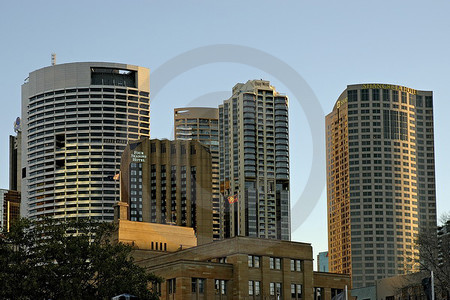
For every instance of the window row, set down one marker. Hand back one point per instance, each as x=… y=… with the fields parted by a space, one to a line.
x=254 y=261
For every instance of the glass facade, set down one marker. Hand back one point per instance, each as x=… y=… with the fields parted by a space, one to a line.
x=254 y=162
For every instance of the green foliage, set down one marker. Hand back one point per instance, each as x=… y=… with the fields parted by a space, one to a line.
x=57 y=259
x=435 y=255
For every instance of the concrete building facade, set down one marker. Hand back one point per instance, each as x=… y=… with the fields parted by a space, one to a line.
x=201 y=124
x=76 y=120
x=380 y=180
x=254 y=162
x=168 y=182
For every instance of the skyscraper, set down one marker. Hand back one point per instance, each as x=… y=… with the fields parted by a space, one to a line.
x=254 y=162
x=380 y=179
x=76 y=120
x=168 y=182
x=201 y=124
x=15 y=154
x=322 y=261
x=9 y=208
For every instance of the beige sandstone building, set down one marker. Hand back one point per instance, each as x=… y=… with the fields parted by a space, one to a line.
x=380 y=179
x=236 y=268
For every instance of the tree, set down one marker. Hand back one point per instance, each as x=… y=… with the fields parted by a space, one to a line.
x=56 y=259
x=434 y=248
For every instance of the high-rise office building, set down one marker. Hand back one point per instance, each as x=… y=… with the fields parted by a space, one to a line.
x=443 y=237
x=168 y=182
x=15 y=154
x=254 y=162
x=201 y=124
x=322 y=261
x=380 y=179
x=9 y=208
x=2 y=209
x=76 y=120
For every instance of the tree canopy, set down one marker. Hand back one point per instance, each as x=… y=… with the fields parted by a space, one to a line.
x=57 y=259
x=435 y=255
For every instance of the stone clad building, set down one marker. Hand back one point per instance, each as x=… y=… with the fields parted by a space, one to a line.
x=235 y=268
x=201 y=124
x=168 y=182
x=242 y=268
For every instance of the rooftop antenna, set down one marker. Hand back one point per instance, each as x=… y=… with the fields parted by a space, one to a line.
x=53 y=59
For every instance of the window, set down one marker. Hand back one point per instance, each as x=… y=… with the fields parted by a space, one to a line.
x=296 y=265
x=278 y=288
x=275 y=263
x=253 y=261
x=221 y=287
x=198 y=285
x=254 y=288
x=296 y=291
x=364 y=95
x=318 y=293
x=172 y=284
x=336 y=292
x=257 y=289
x=375 y=95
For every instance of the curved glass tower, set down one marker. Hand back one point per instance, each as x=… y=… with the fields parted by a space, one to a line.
x=380 y=180
x=76 y=119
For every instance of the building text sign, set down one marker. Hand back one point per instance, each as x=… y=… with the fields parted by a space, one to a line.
x=390 y=87
x=138 y=156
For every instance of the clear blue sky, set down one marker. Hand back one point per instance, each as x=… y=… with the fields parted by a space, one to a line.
x=329 y=43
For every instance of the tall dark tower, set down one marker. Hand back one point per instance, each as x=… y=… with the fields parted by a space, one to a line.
x=254 y=162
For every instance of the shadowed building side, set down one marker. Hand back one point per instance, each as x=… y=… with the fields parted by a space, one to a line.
x=168 y=182
x=254 y=162
x=201 y=124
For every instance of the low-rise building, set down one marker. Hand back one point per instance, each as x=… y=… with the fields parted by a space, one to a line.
x=243 y=268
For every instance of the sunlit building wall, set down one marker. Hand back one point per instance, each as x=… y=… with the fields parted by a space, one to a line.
x=76 y=120
x=380 y=180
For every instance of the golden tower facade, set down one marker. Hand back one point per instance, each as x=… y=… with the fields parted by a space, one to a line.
x=380 y=180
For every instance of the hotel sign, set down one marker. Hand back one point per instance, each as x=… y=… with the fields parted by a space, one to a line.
x=138 y=156
x=114 y=141
x=341 y=102
x=390 y=87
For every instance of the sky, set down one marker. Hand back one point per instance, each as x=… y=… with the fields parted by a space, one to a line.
x=215 y=44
